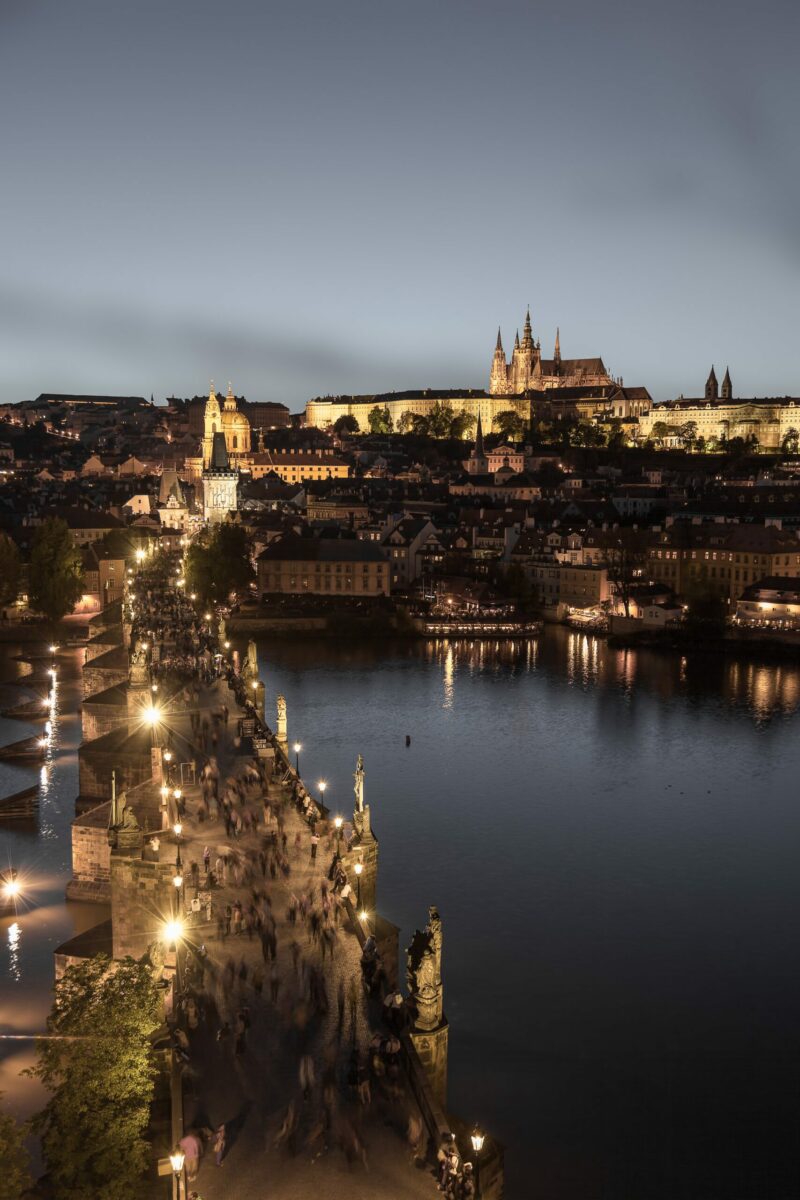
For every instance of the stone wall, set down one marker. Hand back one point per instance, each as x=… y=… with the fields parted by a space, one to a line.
x=95 y=767
x=98 y=719
x=142 y=896
x=91 y=857
x=97 y=676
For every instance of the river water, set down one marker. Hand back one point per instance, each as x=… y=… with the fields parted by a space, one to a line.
x=612 y=840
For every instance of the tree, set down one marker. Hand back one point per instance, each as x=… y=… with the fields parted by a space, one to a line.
x=661 y=431
x=626 y=563
x=9 y=570
x=218 y=563
x=405 y=422
x=380 y=419
x=687 y=434
x=791 y=441
x=440 y=418
x=56 y=573
x=420 y=425
x=15 y=1177
x=462 y=424
x=98 y=1065
x=347 y=423
x=510 y=424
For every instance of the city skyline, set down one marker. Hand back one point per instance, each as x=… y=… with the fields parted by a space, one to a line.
x=352 y=201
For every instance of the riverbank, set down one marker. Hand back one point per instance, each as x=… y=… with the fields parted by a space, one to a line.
x=738 y=644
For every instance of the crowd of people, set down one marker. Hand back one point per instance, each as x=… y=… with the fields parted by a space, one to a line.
x=269 y=976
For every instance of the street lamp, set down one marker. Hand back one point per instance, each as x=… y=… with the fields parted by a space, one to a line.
x=322 y=785
x=177 y=829
x=359 y=867
x=140 y=555
x=338 y=822
x=297 y=748
x=477 y=1138
x=176 y=1161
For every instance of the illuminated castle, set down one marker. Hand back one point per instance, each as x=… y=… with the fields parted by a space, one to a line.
x=528 y=371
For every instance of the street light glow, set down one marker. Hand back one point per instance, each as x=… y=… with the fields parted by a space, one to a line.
x=173 y=930
x=477 y=1139
x=338 y=822
x=11 y=888
x=176 y=1160
x=152 y=714
x=297 y=747
x=359 y=867
x=322 y=785
x=140 y=555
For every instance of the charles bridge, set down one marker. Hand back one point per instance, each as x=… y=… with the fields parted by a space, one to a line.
x=369 y=1114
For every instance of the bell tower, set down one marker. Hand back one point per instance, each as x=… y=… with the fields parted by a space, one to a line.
x=212 y=423
x=498 y=377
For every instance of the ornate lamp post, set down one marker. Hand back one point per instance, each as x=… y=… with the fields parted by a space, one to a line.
x=338 y=822
x=176 y=1161
x=477 y=1138
x=322 y=785
x=297 y=748
x=359 y=867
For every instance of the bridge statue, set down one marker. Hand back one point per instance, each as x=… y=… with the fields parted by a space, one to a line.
x=138 y=674
x=250 y=668
x=358 y=785
x=424 y=973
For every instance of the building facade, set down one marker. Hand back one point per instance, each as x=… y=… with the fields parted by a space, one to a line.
x=719 y=417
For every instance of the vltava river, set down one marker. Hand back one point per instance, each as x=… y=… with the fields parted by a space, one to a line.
x=612 y=839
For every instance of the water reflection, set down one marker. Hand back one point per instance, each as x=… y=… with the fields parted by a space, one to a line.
x=14 y=939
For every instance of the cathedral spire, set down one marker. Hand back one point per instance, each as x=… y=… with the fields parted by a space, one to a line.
x=557 y=351
x=527 y=333
x=712 y=387
x=727 y=386
x=499 y=345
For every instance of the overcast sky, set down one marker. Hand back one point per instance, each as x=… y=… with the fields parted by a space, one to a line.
x=334 y=197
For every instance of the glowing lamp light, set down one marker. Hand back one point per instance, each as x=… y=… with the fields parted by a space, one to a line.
x=208 y=616
x=173 y=930
x=359 y=867
x=140 y=555
x=154 y=688
x=363 y=914
x=164 y=793
x=338 y=822
x=43 y=742
x=322 y=785
x=11 y=888
x=177 y=793
x=177 y=829
x=297 y=747
x=176 y=1160
x=53 y=648
x=193 y=596
x=177 y=880
x=227 y=645
x=477 y=1138
x=152 y=714
x=167 y=756
x=254 y=685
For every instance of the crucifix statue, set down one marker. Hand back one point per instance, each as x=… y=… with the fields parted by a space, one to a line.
x=358 y=786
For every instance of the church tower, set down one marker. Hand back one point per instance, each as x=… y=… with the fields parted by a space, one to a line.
x=220 y=483
x=498 y=376
x=712 y=387
x=727 y=386
x=212 y=424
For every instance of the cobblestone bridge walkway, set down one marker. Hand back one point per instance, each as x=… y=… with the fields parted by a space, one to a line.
x=278 y=1032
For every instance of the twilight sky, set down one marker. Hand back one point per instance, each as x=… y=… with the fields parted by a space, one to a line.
x=323 y=197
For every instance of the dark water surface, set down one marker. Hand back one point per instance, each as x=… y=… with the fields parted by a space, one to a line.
x=612 y=839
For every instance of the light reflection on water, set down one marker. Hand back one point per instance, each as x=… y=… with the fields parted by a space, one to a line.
x=610 y=836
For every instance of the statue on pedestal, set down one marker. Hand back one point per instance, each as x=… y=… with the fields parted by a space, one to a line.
x=250 y=666
x=281 y=731
x=138 y=674
x=424 y=973
x=358 y=784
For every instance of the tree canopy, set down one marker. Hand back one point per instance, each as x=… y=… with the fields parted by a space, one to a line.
x=56 y=572
x=462 y=424
x=218 y=563
x=99 y=1069
x=380 y=419
x=510 y=424
x=14 y=1177
x=347 y=423
x=9 y=570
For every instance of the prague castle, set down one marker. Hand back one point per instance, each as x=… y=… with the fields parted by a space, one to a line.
x=528 y=371
x=720 y=418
